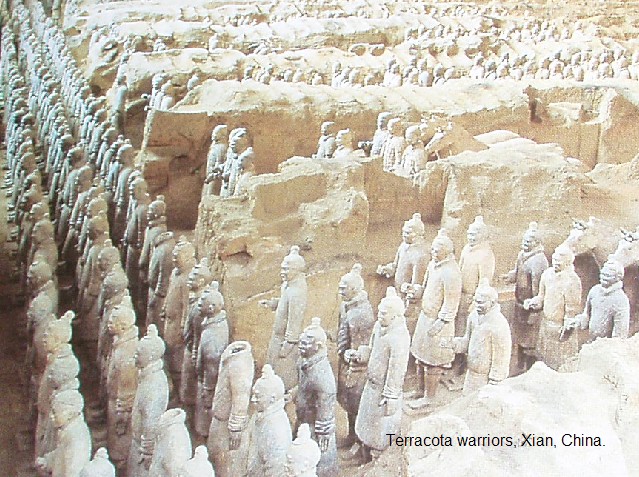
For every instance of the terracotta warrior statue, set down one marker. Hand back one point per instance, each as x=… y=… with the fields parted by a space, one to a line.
x=432 y=341
x=160 y=270
x=344 y=142
x=100 y=465
x=73 y=441
x=199 y=278
x=476 y=262
x=303 y=455
x=531 y=263
x=199 y=465
x=316 y=396
x=121 y=383
x=214 y=339
x=394 y=145
x=560 y=299
x=356 y=322
x=215 y=160
x=228 y=434
x=289 y=314
x=607 y=310
x=486 y=342
x=411 y=258
x=271 y=434
x=151 y=400
x=156 y=225
x=326 y=144
x=381 y=133
x=176 y=307
x=133 y=241
x=172 y=446
x=380 y=408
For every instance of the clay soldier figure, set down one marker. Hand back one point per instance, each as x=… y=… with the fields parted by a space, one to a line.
x=100 y=465
x=356 y=321
x=316 y=395
x=414 y=157
x=381 y=133
x=176 y=307
x=59 y=357
x=271 y=435
x=432 y=344
x=411 y=258
x=159 y=273
x=215 y=160
x=121 y=196
x=198 y=466
x=326 y=144
x=560 y=298
x=173 y=445
x=73 y=440
x=214 y=339
x=487 y=341
x=531 y=263
x=134 y=240
x=121 y=383
x=394 y=145
x=289 y=314
x=476 y=262
x=40 y=282
x=199 y=279
x=303 y=455
x=43 y=246
x=156 y=224
x=238 y=144
x=380 y=409
x=344 y=142
x=114 y=291
x=607 y=310
x=228 y=435
x=118 y=110
x=151 y=399
x=90 y=285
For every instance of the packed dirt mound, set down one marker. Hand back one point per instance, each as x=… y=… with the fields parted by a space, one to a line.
x=540 y=423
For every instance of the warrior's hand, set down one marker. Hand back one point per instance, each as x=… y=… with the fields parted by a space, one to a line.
x=436 y=328
x=390 y=406
x=323 y=441
x=271 y=304
x=532 y=304
x=235 y=438
x=285 y=349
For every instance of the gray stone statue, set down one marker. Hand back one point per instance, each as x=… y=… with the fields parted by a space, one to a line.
x=326 y=144
x=531 y=263
x=228 y=434
x=100 y=465
x=432 y=344
x=215 y=160
x=121 y=382
x=607 y=310
x=271 y=433
x=380 y=408
x=73 y=440
x=159 y=275
x=199 y=279
x=214 y=339
x=316 y=395
x=151 y=400
x=356 y=321
x=411 y=258
x=173 y=445
x=381 y=133
x=303 y=455
x=560 y=299
x=199 y=465
x=289 y=315
x=486 y=342
x=176 y=307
